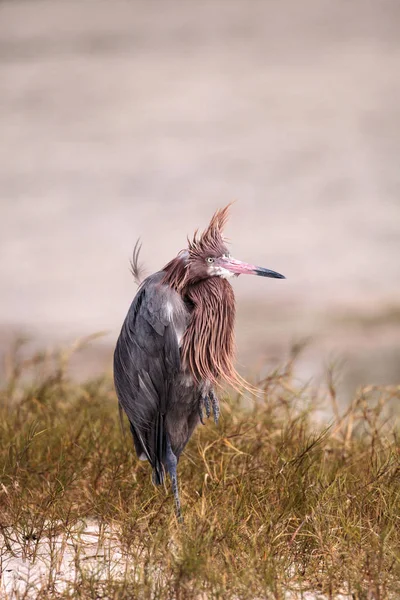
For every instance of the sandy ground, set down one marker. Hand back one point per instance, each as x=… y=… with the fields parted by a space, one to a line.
x=89 y=551
x=121 y=120
x=58 y=560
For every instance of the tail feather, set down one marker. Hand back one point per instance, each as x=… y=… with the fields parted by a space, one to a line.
x=160 y=450
x=158 y=475
x=154 y=451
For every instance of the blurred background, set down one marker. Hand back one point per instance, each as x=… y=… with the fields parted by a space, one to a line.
x=125 y=119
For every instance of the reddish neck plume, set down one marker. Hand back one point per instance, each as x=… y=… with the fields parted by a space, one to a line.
x=208 y=346
x=175 y=274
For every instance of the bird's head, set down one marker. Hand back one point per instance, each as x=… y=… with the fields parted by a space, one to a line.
x=208 y=255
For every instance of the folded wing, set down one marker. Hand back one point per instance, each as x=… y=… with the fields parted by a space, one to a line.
x=147 y=364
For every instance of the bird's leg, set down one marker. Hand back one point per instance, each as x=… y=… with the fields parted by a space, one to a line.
x=215 y=405
x=171 y=463
x=201 y=412
x=209 y=400
x=204 y=401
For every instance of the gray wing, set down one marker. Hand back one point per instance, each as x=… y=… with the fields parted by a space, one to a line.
x=146 y=364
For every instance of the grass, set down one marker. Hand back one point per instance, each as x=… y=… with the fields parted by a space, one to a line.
x=275 y=504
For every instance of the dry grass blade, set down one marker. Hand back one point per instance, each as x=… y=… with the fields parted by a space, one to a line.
x=275 y=505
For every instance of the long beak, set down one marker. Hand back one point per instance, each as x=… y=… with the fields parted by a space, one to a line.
x=238 y=267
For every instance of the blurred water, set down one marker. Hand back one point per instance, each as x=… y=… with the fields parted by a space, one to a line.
x=121 y=120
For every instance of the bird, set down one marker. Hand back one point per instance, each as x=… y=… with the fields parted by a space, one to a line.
x=176 y=348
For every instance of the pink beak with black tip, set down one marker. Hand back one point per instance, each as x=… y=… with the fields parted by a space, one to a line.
x=238 y=268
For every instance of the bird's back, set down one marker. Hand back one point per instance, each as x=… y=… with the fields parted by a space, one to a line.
x=156 y=395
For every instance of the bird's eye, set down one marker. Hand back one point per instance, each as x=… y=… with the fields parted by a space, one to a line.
x=210 y=259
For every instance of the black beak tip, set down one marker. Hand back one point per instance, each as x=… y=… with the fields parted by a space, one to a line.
x=267 y=273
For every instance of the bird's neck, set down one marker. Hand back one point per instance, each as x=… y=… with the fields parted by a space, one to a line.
x=208 y=344
x=208 y=347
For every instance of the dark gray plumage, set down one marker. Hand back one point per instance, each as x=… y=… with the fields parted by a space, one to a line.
x=162 y=404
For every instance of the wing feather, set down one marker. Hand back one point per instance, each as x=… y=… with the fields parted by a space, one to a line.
x=146 y=365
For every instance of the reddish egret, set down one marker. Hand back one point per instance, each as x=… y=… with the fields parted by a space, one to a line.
x=176 y=345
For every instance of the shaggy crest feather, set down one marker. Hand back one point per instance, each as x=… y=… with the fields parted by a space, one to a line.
x=212 y=239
